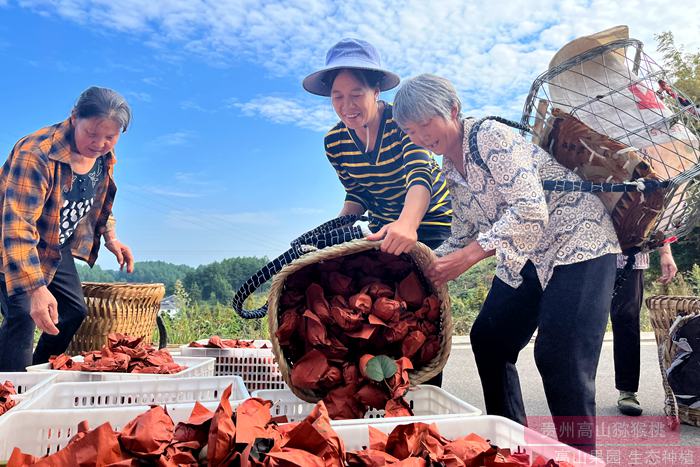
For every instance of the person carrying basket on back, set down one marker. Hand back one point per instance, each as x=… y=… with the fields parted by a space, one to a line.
x=555 y=256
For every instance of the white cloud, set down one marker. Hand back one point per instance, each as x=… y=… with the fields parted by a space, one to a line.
x=192 y=105
x=177 y=138
x=492 y=53
x=303 y=113
x=139 y=96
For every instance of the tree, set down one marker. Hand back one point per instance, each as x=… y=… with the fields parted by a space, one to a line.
x=684 y=70
x=684 y=67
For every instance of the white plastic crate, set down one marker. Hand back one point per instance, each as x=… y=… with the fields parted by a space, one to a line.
x=426 y=401
x=104 y=394
x=196 y=367
x=42 y=432
x=27 y=385
x=257 y=366
x=501 y=431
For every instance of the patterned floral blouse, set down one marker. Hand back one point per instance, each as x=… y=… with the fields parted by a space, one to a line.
x=508 y=211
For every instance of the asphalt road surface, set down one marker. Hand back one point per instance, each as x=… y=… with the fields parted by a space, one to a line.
x=462 y=380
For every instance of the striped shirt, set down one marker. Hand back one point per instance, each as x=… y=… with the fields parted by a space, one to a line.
x=378 y=180
x=33 y=181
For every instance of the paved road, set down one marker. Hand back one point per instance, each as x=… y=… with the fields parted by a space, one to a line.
x=461 y=379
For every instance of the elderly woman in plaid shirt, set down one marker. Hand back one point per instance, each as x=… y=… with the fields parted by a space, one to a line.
x=56 y=195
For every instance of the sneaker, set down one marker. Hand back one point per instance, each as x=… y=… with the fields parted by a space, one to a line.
x=628 y=404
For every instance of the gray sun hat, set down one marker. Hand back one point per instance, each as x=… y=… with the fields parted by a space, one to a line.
x=350 y=53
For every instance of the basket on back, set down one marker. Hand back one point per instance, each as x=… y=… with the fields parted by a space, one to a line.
x=126 y=308
x=596 y=111
x=663 y=312
x=317 y=267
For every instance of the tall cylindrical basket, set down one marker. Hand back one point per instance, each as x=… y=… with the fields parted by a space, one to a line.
x=663 y=311
x=126 y=308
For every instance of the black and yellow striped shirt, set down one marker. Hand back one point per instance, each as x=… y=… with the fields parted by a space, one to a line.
x=378 y=180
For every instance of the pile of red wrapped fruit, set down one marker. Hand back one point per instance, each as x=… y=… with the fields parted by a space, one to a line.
x=122 y=354
x=249 y=436
x=351 y=328
x=216 y=342
x=7 y=390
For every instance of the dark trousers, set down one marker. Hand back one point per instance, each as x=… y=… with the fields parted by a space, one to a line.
x=433 y=239
x=17 y=330
x=570 y=315
x=624 y=315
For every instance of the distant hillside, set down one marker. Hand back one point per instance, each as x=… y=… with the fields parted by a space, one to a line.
x=215 y=281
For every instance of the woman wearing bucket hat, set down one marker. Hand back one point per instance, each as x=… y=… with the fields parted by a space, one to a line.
x=398 y=183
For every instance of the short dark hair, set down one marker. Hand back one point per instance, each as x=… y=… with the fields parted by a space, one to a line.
x=103 y=103
x=370 y=78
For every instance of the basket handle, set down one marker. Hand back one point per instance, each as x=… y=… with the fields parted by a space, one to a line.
x=162 y=333
x=333 y=232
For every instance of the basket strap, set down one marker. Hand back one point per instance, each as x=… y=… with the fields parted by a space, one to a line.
x=640 y=185
x=326 y=227
x=335 y=236
x=671 y=405
x=162 y=332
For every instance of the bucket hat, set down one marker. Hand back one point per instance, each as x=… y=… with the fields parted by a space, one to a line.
x=350 y=53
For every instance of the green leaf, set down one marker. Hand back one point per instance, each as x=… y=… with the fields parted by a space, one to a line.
x=380 y=368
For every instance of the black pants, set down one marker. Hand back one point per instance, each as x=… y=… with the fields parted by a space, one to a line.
x=624 y=315
x=570 y=315
x=17 y=330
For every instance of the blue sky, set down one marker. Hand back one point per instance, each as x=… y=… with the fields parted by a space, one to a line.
x=225 y=154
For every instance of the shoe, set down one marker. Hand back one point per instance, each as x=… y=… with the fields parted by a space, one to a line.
x=628 y=404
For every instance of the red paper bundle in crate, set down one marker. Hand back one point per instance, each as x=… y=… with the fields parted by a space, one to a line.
x=122 y=354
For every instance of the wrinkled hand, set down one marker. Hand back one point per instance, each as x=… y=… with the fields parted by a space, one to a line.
x=44 y=310
x=399 y=237
x=122 y=253
x=449 y=267
x=668 y=268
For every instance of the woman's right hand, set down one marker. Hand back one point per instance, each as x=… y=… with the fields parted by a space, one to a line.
x=44 y=310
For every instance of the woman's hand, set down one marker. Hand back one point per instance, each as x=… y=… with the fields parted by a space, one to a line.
x=668 y=266
x=122 y=253
x=44 y=310
x=450 y=267
x=399 y=237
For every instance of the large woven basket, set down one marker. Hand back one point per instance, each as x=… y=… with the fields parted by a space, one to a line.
x=421 y=256
x=127 y=308
x=663 y=311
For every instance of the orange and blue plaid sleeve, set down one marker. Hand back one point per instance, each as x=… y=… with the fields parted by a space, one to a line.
x=26 y=187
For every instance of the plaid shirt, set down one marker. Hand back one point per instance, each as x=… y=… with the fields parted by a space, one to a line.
x=32 y=183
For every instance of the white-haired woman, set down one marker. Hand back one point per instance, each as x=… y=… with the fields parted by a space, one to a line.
x=555 y=255
x=56 y=195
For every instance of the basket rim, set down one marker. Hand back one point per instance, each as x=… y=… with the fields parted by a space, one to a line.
x=123 y=284
x=418 y=253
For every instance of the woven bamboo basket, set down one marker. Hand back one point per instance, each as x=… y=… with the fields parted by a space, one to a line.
x=127 y=308
x=421 y=256
x=663 y=311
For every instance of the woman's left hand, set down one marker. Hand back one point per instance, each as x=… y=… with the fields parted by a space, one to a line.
x=399 y=237
x=668 y=267
x=449 y=267
x=122 y=253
